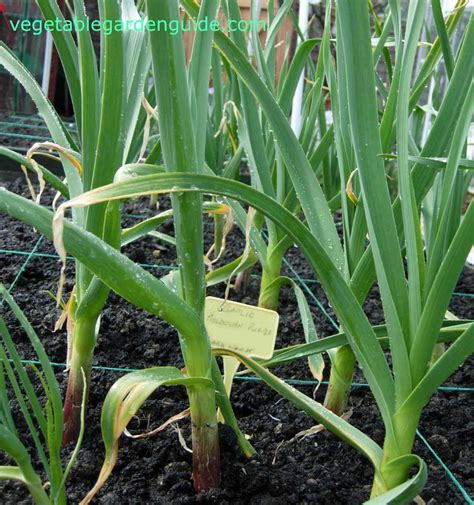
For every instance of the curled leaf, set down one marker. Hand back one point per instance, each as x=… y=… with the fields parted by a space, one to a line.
x=349 y=191
x=124 y=400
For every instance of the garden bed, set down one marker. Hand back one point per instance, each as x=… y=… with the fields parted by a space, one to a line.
x=316 y=469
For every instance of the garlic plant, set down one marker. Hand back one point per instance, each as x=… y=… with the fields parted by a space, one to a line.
x=107 y=97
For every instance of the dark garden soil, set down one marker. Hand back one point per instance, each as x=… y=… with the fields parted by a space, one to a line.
x=318 y=469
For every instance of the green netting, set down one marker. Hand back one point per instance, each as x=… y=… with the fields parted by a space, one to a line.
x=303 y=283
x=450 y=474
x=10 y=123
x=30 y=255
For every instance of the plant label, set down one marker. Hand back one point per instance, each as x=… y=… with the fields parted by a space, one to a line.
x=242 y=328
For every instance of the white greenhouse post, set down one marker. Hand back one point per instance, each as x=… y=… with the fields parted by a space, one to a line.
x=48 y=56
x=470 y=156
x=255 y=11
x=449 y=5
x=298 y=97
